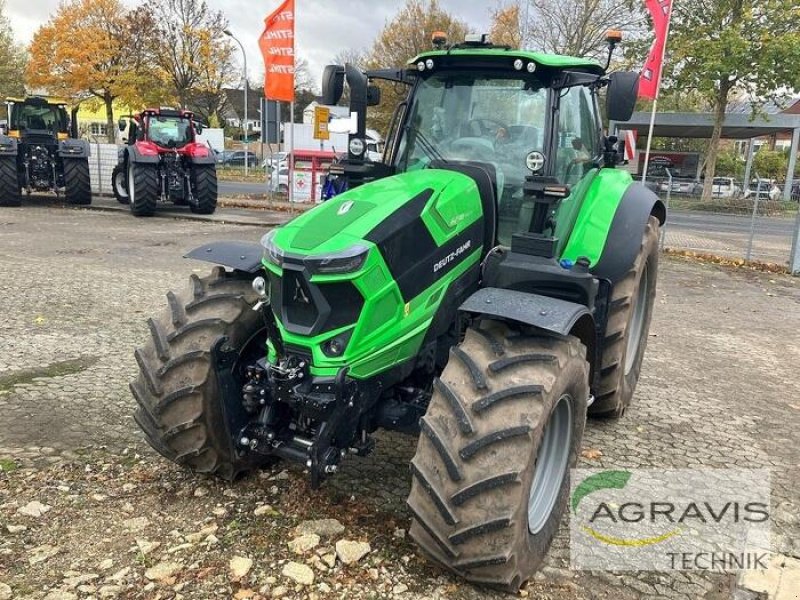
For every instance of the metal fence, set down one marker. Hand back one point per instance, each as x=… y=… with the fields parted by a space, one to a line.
x=736 y=224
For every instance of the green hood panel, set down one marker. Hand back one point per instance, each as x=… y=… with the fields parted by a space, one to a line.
x=340 y=222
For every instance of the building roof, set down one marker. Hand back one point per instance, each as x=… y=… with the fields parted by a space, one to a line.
x=700 y=125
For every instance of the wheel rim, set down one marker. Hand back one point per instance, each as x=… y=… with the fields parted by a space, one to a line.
x=636 y=326
x=119 y=183
x=131 y=186
x=551 y=465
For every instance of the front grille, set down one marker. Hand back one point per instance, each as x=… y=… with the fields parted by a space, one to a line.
x=306 y=308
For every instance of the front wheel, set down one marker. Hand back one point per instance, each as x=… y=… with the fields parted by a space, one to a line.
x=77 y=186
x=491 y=471
x=629 y=312
x=180 y=407
x=119 y=185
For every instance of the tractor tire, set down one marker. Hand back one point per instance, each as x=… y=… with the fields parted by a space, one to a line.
x=143 y=189
x=178 y=396
x=204 y=186
x=119 y=185
x=629 y=313
x=9 y=182
x=491 y=471
x=77 y=186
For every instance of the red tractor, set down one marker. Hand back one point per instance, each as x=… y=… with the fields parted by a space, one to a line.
x=163 y=162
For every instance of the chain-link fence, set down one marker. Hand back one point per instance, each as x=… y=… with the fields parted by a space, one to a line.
x=750 y=222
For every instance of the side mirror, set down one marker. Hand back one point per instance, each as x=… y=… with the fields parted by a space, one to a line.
x=332 y=84
x=122 y=124
x=373 y=95
x=623 y=90
x=198 y=128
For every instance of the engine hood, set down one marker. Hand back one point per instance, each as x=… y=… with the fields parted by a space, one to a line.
x=350 y=217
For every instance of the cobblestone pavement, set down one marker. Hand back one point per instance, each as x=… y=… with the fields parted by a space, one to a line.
x=718 y=387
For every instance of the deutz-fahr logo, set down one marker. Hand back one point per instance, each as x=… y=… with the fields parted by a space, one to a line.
x=452 y=256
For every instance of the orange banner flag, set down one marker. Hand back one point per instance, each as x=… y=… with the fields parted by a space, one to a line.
x=277 y=48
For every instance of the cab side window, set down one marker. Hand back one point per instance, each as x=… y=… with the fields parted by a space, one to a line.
x=578 y=135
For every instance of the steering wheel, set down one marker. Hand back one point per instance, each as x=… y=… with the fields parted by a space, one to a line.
x=492 y=128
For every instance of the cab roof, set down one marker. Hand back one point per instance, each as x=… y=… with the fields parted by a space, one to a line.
x=479 y=52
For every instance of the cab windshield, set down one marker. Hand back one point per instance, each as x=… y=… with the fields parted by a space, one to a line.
x=170 y=132
x=42 y=117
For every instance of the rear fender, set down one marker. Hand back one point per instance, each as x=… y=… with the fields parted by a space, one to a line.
x=200 y=154
x=143 y=153
x=239 y=256
x=552 y=315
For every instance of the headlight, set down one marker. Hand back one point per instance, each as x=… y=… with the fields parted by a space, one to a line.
x=346 y=261
x=271 y=252
x=356 y=146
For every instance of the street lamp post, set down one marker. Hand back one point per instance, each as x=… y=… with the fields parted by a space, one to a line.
x=245 y=128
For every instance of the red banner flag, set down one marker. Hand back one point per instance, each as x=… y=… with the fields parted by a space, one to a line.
x=650 y=79
x=277 y=48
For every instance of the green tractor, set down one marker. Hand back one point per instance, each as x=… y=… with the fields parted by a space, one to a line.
x=40 y=152
x=483 y=287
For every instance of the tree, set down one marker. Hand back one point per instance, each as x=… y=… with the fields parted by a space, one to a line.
x=193 y=53
x=507 y=27
x=12 y=59
x=91 y=48
x=406 y=35
x=729 y=47
x=572 y=27
x=771 y=164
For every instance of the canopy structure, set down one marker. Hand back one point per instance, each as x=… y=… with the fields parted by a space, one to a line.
x=737 y=126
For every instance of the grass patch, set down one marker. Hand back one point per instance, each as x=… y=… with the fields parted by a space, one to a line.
x=254 y=175
x=734 y=206
x=57 y=369
x=7 y=465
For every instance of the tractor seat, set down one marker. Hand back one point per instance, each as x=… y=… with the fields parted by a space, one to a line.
x=485 y=176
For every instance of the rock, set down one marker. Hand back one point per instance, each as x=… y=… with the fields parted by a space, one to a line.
x=280 y=591
x=128 y=487
x=136 y=524
x=14 y=529
x=324 y=588
x=400 y=588
x=179 y=548
x=105 y=564
x=299 y=573
x=60 y=595
x=265 y=510
x=212 y=540
x=146 y=547
x=400 y=534
x=304 y=543
x=34 y=508
x=351 y=552
x=282 y=476
x=240 y=566
x=163 y=571
x=5 y=592
x=42 y=553
x=119 y=575
x=203 y=533
x=219 y=511
x=73 y=582
x=200 y=492
x=109 y=591
x=99 y=497
x=329 y=559
x=324 y=528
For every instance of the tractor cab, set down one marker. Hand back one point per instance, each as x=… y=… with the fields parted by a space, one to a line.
x=165 y=127
x=37 y=117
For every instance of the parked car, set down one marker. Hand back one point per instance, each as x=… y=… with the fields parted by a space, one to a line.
x=275 y=160
x=237 y=158
x=279 y=180
x=681 y=186
x=764 y=189
x=223 y=157
x=725 y=187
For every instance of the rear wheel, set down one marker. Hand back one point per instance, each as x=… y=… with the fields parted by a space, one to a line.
x=204 y=189
x=119 y=185
x=9 y=182
x=491 y=472
x=143 y=188
x=77 y=186
x=179 y=399
x=629 y=314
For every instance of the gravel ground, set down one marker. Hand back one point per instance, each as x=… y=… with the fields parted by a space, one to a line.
x=114 y=520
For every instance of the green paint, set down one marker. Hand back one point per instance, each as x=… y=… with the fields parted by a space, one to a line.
x=598 y=205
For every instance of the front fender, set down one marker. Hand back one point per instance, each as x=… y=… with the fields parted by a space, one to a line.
x=73 y=149
x=8 y=146
x=239 y=256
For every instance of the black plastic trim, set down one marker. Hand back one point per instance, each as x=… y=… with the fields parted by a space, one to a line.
x=240 y=256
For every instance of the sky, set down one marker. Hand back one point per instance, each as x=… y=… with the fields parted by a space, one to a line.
x=323 y=27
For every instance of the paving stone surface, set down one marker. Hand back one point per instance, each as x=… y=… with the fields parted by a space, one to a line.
x=719 y=386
